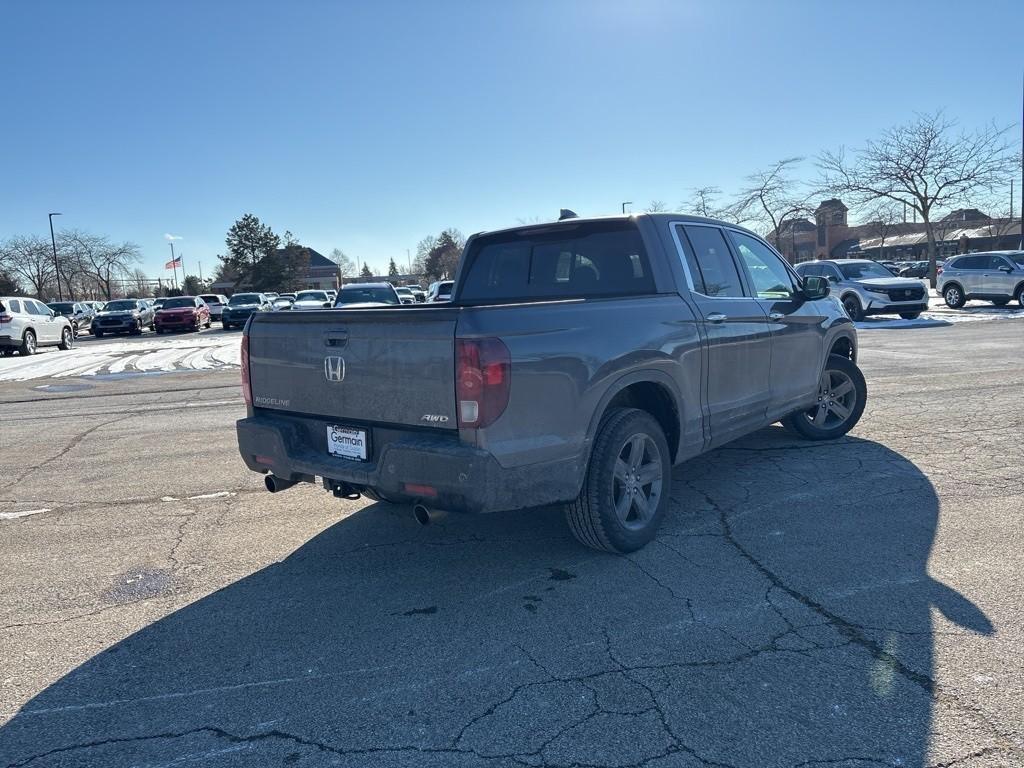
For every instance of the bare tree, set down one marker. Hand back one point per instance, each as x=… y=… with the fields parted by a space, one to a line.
x=345 y=265
x=771 y=198
x=30 y=261
x=137 y=284
x=883 y=217
x=656 y=206
x=924 y=165
x=704 y=202
x=95 y=259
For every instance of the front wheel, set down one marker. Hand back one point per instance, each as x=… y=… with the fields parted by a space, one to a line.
x=97 y=334
x=910 y=315
x=67 y=340
x=226 y=326
x=852 y=306
x=842 y=395
x=625 y=493
x=954 y=297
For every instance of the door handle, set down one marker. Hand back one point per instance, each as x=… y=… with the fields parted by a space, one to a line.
x=776 y=316
x=716 y=317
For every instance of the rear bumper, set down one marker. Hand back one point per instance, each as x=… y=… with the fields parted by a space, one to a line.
x=464 y=479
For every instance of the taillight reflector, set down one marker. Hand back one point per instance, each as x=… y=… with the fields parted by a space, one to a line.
x=246 y=385
x=420 y=490
x=483 y=368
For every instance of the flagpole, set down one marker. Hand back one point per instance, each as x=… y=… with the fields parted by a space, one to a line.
x=174 y=265
x=181 y=260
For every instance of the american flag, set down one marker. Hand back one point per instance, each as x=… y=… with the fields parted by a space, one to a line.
x=173 y=264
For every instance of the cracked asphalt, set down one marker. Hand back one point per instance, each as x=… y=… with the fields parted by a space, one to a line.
x=851 y=604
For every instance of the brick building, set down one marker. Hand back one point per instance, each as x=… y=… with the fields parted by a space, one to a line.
x=830 y=236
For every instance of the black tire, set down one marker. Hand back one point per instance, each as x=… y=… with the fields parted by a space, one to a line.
x=28 y=343
x=852 y=306
x=954 y=296
x=910 y=315
x=97 y=334
x=7 y=351
x=74 y=329
x=592 y=516
x=67 y=340
x=1020 y=296
x=802 y=422
x=225 y=326
x=209 y=323
x=1000 y=302
x=136 y=331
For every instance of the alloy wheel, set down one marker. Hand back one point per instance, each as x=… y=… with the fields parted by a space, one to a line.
x=637 y=481
x=837 y=398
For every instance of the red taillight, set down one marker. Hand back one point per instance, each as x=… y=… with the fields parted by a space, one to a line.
x=483 y=368
x=6 y=318
x=246 y=386
x=938 y=270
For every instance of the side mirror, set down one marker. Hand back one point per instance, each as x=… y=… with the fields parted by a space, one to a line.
x=816 y=287
x=1006 y=269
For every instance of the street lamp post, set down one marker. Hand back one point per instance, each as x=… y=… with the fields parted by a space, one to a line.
x=56 y=266
x=628 y=202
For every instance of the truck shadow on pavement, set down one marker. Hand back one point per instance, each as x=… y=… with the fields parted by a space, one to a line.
x=782 y=618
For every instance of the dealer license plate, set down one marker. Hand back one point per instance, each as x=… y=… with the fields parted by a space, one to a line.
x=346 y=442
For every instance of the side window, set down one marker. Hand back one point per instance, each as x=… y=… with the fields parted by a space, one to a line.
x=35 y=308
x=15 y=306
x=769 y=275
x=971 y=262
x=714 y=262
x=809 y=270
x=831 y=272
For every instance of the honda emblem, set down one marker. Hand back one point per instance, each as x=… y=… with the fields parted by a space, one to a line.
x=334 y=368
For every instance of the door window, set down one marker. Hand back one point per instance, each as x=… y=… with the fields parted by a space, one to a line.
x=716 y=274
x=35 y=308
x=768 y=274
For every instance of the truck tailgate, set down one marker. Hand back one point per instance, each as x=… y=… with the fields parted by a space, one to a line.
x=385 y=366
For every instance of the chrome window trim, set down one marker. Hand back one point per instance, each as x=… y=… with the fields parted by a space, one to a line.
x=681 y=253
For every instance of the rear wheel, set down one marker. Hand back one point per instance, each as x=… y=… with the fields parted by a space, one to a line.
x=625 y=493
x=28 y=344
x=67 y=340
x=852 y=306
x=1020 y=296
x=842 y=395
x=954 y=296
x=910 y=315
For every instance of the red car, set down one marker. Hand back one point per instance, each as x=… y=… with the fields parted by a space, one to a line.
x=183 y=313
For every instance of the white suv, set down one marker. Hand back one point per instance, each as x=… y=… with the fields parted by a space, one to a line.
x=867 y=288
x=995 y=276
x=27 y=324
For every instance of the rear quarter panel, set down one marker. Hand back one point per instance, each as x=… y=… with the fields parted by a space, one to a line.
x=567 y=357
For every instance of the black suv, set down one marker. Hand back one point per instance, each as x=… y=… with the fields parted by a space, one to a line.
x=79 y=313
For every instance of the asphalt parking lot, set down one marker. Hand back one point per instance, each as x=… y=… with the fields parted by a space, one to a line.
x=850 y=604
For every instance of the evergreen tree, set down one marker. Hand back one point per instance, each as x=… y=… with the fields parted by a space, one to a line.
x=366 y=271
x=392 y=269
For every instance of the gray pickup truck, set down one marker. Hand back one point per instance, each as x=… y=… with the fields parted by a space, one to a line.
x=577 y=362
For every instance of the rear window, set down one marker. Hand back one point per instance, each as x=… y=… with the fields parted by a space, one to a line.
x=210 y=299
x=593 y=259
x=360 y=295
x=179 y=303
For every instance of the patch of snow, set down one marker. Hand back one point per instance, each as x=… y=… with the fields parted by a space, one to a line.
x=217 y=495
x=146 y=354
x=26 y=513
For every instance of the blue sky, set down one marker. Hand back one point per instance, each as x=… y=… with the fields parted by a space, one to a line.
x=369 y=125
